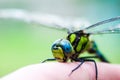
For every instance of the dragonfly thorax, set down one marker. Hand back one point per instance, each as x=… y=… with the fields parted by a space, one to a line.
x=79 y=41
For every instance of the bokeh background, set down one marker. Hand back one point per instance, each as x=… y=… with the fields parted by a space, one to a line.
x=23 y=44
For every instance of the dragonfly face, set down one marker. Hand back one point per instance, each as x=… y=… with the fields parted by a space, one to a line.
x=62 y=50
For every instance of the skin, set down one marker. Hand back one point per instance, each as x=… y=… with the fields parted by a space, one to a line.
x=61 y=71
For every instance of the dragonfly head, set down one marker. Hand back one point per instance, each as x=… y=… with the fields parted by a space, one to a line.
x=62 y=50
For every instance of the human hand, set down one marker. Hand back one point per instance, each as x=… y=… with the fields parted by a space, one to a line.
x=61 y=71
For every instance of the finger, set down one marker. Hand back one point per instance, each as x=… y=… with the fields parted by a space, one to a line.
x=108 y=71
x=61 y=71
x=51 y=71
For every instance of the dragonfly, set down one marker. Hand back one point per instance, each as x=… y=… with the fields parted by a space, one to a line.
x=76 y=42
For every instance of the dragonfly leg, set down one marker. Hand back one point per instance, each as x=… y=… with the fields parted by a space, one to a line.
x=96 y=70
x=77 y=67
x=48 y=60
x=95 y=50
x=86 y=59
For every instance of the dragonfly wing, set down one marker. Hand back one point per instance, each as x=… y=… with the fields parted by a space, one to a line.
x=52 y=21
x=94 y=29
x=103 y=22
x=111 y=30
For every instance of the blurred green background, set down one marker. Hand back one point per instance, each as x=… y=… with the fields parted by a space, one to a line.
x=23 y=43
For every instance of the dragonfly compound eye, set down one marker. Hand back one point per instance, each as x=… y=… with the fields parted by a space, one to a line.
x=61 y=50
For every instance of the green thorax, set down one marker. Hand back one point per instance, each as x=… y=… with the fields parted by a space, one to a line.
x=79 y=41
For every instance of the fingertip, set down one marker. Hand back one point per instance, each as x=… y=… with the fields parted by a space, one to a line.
x=63 y=71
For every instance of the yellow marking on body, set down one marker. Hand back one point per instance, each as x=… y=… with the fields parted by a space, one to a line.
x=72 y=38
x=79 y=45
x=81 y=42
x=58 y=53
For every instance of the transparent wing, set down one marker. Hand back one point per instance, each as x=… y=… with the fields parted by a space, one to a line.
x=31 y=17
x=110 y=30
x=97 y=28
x=52 y=21
x=103 y=22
